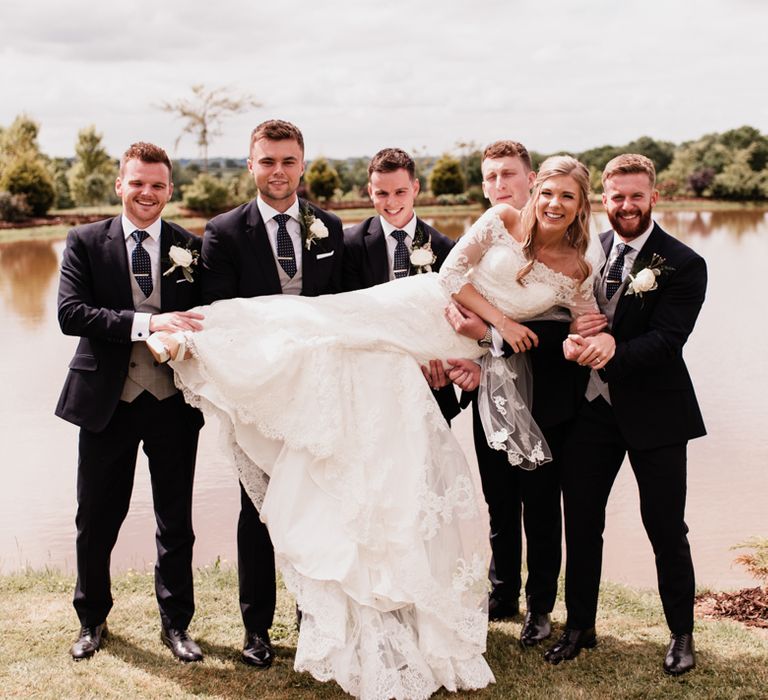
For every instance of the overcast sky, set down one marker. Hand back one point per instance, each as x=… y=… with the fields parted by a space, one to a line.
x=358 y=76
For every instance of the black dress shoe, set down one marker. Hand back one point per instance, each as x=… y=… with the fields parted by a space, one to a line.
x=89 y=641
x=257 y=650
x=184 y=648
x=681 y=656
x=501 y=609
x=569 y=645
x=536 y=628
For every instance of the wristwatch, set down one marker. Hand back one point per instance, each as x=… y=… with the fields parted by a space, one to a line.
x=487 y=340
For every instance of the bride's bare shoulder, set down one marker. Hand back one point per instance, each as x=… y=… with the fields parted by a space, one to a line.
x=510 y=217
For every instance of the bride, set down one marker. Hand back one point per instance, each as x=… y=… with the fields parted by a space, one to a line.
x=379 y=526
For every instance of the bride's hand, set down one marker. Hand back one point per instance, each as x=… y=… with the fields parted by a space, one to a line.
x=519 y=337
x=595 y=351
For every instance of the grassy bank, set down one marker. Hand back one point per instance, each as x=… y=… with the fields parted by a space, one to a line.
x=37 y=626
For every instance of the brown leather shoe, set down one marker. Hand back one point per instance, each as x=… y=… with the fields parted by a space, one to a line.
x=89 y=641
x=681 y=656
x=569 y=645
x=257 y=649
x=184 y=648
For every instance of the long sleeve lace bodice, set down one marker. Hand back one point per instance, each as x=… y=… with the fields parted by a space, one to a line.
x=489 y=258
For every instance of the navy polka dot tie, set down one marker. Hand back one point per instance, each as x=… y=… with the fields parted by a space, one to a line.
x=616 y=272
x=286 y=255
x=141 y=266
x=402 y=263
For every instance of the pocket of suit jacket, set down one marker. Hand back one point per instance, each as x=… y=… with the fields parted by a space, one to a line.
x=87 y=363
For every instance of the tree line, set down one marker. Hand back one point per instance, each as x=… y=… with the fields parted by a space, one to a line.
x=732 y=165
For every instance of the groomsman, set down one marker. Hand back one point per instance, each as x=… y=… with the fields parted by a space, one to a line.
x=274 y=244
x=641 y=404
x=514 y=494
x=122 y=279
x=387 y=246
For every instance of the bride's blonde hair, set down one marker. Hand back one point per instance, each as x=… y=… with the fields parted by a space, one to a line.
x=577 y=235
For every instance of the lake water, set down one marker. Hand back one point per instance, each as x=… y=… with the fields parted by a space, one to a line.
x=728 y=469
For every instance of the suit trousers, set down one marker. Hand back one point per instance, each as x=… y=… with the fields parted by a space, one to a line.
x=594 y=453
x=255 y=568
x=106 y=466
x=512 y=492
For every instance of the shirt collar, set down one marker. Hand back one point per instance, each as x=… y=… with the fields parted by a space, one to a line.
x=267 y=212
x=409 y=228
x=153 y=230
x=635 y=244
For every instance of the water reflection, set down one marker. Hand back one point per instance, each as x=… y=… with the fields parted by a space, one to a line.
x=727 y=475
x=27 y=269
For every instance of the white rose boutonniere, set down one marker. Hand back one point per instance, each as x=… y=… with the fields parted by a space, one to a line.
x=422 y=257
x=314 y=229
x=184 y=258
x=316 y=232
x=645 y=279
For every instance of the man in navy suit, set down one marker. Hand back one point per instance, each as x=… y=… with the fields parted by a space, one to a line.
x=274 y=244
x=389 y=246
x=640 y=403
x=519 y=499
x=120 y=282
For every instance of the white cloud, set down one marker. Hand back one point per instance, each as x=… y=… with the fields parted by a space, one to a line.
x=356 y=76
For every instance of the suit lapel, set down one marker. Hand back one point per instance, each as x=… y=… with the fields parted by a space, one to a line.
x=256 y=232
x=376 y=249
x=308 y=257
x=117 y=263
x=167 y=284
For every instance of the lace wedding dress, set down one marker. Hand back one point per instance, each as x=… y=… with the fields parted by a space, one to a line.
x=380 y=529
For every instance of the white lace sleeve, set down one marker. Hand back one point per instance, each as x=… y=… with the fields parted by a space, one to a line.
x=456 y=271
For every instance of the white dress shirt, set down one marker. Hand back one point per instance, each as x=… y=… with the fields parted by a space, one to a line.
x=140 y=326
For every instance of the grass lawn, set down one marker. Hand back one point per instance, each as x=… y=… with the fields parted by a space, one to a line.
x=38 y=625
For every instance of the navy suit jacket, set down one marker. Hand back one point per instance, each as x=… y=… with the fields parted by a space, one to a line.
x=238 y=260
x=651 y=391
x=366 y=264
x=96 y=303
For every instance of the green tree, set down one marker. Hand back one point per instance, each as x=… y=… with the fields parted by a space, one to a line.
x=18 y=140
x=60 y=168
x=446 y=177
x=27 y=175
x=204 y=113
x=660 y=152
x=738 y=181
x=92 y=177
x=322 y=179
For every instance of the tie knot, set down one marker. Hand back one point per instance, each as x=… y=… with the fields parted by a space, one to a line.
x=282 y=219
x=622 y=249
x=399 y=236
x=139 y=236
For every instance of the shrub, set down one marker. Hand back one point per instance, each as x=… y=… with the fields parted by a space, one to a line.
x=13 y=207
x=207 y=195
x=28 y=176
x=446 y=177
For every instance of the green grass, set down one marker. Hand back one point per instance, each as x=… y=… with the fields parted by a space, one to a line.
x=38 y=624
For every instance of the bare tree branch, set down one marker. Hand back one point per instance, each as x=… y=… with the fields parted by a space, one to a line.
x=204 y=113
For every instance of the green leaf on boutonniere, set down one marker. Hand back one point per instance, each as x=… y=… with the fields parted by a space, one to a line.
x=422 y=256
